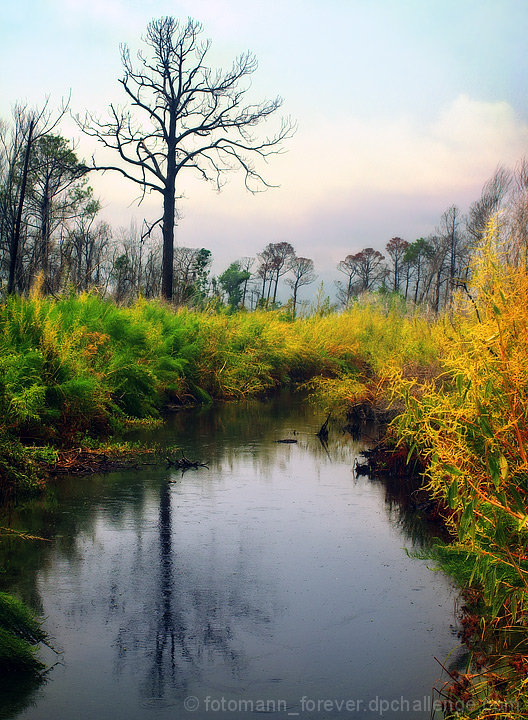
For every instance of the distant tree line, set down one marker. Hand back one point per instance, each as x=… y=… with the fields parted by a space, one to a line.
x=49 y=227
x=428 y=270
x=199 y=120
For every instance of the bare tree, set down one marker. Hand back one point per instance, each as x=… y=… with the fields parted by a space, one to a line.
x=282 y=254
x=194 y=118
x=85 y=249
x=396 y=248
x=415 y=258
x=518 y=215
x=493 y=194
x=11 y=149
x=246 y=264
x=265 y=270
x=437 y=271
x=274 y=263
x=30 y=126
x=451 y=235
x=303 y=274
x=349 y=268
x=370 y=268
x=152 y=273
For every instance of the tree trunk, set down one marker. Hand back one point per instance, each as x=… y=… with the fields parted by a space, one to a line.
x=45 y=232
x=264 y=278
x=295 y=289
x=269 y=291
x=437 y=293
x=167 y=264
x=244 y=294
x=169 y=202
x=15 y=238
x=418 y=268
x=275 y=288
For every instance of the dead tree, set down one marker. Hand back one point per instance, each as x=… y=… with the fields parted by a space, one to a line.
x=303 y=274
x=185 y=116
x=31 y=126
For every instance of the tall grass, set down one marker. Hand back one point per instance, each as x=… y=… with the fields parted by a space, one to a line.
x=76 y=367
x=367 y=346
x=471 y=426
x=20 y=632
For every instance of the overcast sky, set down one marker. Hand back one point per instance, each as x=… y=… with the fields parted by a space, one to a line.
x=403 y=107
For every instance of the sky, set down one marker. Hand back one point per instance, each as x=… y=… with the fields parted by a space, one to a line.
x=403 y=108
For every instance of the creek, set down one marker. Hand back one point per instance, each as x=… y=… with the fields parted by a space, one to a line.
x=274 y=580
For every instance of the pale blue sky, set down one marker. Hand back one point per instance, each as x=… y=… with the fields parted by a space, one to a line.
x=403 y=108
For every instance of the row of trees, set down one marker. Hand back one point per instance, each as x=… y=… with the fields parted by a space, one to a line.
x=46 y=207
x=184 y=116
x=49 y=226
x=250 y=282
x=428 y=270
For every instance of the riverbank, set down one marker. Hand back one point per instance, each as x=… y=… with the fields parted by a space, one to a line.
x=469 y=426
x=75 y=370
x=233 y=561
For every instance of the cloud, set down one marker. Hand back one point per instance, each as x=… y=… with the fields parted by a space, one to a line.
x=461 y=147
x=346 y=183
x=347 y=163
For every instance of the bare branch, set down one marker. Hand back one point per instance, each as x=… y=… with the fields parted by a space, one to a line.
x=186 y=115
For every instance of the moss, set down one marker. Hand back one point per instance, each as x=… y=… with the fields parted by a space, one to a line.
x=20 y=632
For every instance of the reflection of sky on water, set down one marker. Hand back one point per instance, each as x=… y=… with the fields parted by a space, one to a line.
x=272 y=574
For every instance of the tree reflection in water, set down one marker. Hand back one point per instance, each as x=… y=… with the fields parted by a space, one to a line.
x=220 y=581
x=185 y=626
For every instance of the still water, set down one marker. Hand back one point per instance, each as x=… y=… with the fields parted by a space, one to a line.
x=272 y=581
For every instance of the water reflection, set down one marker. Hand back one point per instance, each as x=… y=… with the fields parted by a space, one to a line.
x=274 y=573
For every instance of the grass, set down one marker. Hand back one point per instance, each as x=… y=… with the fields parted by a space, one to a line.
x=20 y=632
x=470 y=426
x=76 y=368
x=79 y=367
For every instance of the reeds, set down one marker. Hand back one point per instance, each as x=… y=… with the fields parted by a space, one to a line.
x=470 y=424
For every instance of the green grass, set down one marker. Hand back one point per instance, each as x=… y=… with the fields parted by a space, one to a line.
x=20 y=632
x=74 y=369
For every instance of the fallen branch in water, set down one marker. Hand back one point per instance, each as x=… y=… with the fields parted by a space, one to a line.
x=11 y=532
x=184 y=463
x=82 y=461
x=361 y=468
x=323 y=430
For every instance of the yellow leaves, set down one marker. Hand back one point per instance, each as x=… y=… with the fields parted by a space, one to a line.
x=522 y=523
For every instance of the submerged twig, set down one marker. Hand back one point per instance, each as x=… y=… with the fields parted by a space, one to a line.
x=184 y=463
x=323 y=430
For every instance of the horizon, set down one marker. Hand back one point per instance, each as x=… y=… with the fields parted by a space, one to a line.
x=412 y=116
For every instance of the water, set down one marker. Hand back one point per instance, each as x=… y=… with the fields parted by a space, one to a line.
x=274 y=581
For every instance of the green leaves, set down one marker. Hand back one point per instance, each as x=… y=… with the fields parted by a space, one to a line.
x=452 y=494
x=497 y=468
